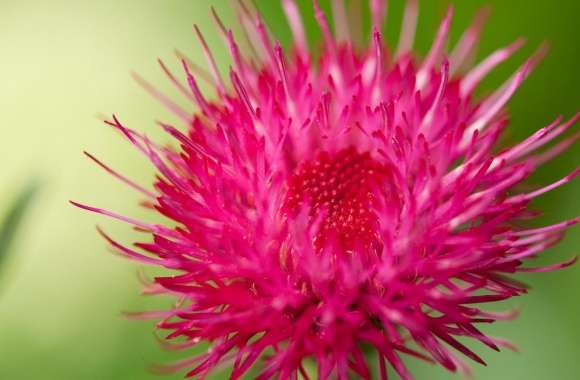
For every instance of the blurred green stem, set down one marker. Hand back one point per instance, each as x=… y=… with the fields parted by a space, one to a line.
x=14 y=218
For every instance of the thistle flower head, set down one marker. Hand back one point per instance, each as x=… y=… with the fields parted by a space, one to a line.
x=324 y=208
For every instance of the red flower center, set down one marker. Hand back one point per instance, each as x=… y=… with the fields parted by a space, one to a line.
x=341 y=186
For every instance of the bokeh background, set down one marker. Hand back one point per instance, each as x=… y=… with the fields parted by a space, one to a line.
x=65 y=62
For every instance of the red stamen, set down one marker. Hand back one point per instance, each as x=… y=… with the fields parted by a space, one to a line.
x=340 y=186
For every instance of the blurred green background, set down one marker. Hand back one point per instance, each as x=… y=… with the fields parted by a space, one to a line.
x=66 y=61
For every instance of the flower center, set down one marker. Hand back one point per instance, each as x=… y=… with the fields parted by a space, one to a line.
x=340 y=186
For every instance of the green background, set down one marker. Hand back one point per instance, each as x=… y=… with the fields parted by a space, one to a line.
x=64 y=62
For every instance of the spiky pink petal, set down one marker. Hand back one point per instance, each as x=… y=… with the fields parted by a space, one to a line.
x=322 y=209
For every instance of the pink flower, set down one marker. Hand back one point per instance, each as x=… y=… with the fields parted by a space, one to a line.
x=319 y=209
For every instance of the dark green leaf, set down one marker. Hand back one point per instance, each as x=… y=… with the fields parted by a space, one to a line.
x=13 y=219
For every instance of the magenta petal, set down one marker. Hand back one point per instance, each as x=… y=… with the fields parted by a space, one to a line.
x=317 y=208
